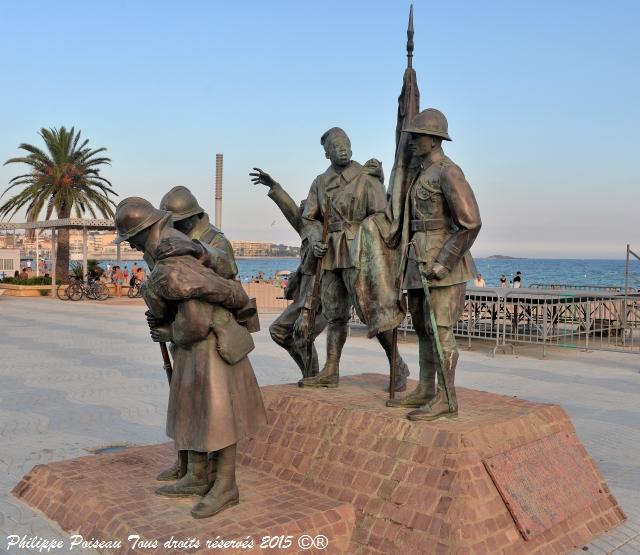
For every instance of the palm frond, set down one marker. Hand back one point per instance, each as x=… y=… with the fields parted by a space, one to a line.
x=63 y=178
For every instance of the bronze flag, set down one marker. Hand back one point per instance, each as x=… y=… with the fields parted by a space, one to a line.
x=376 y=248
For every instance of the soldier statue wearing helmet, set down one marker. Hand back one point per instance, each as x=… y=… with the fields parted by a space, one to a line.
x=191 y=219
x=441 y=221
x=214 y=398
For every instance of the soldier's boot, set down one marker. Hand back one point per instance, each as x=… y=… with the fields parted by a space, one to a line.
x=224 y=493
x=298 y=352
x=212 y=463
x=194 y=482
x=441 y=406
x=330 y=375
x=175 y=472
x=400 y=376
x=425 y=391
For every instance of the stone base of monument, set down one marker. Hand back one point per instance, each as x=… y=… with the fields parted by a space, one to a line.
x=505 y=476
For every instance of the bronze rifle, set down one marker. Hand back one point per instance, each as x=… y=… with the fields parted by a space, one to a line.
x=315 y=295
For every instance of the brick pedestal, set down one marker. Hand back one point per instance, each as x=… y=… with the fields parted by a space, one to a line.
x=505 y=476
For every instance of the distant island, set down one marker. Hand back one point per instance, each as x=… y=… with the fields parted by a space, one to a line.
x=504 y=257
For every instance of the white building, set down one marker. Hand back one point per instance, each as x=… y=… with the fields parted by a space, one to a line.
x=9 y=262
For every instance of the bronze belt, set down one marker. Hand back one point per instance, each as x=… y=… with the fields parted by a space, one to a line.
x=339 y=226
x=427 y=225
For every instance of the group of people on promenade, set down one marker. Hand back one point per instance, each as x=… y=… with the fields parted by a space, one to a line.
x=120 y=276
x=479 y=281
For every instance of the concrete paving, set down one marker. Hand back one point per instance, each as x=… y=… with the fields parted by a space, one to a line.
x=85 y=375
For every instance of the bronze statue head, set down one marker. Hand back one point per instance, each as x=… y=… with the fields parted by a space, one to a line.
x=184 y=207
x=427 y=131
x=134 y=217
x=337 y=147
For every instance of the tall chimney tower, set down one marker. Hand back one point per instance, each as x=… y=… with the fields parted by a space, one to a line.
x=218 y=193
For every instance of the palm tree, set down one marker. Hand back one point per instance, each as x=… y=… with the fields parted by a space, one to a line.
x=65 y=179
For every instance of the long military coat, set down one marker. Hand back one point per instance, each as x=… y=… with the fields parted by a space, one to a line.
x=355 y=193
x=441 y=222
x=211 y=404
x=436 y=193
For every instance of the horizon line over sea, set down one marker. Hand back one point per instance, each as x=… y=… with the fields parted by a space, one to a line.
x=569 y=271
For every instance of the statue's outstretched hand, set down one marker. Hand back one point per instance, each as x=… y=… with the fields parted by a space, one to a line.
x=262 y=178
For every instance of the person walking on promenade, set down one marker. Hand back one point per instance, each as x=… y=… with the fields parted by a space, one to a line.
x=118 y=280
x=503 y=281
x=285 y=328
x=479 y=281
x=517 y=280
x=441 y=221
x=140 y=274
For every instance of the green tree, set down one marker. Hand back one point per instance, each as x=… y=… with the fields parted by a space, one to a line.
x=64 y=178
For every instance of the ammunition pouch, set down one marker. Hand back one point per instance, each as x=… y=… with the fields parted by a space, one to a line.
x=234 y=342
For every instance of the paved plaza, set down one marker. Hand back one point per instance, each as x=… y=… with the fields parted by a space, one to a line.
x=76 y=377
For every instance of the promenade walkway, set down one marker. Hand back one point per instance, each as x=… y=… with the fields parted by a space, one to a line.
x=81 y=376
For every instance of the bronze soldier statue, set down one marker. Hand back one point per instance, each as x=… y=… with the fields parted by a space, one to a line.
x=440 y=223
x=284 y=329
x=214 y=397
x=191 y=219
x=352 y=192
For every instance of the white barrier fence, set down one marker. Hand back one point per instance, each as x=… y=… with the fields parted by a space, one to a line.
x=576 y=318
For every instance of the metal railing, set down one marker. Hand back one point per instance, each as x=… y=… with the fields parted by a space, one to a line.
x=579 y=319
x=572 y=286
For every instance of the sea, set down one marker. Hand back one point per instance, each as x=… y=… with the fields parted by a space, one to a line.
x=534 y=270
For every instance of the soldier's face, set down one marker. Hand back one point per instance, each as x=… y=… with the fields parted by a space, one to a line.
x=186 y=225
x=139 y=241
x=338 y=150
x=421 y=145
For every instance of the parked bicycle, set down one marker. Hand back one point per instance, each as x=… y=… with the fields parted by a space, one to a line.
x=135 y=289
x=62 y=290
x=92 y=290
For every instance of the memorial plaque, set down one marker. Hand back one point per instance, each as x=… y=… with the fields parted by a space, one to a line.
x=544 y=482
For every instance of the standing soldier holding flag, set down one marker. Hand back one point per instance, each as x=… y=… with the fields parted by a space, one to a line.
x=422 y=238
x=441 y=221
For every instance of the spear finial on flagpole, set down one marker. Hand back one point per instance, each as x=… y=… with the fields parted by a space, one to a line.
x=410 y=38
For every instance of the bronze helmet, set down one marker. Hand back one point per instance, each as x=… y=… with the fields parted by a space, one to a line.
x=430 y=122
x=181 y=203
x=133 y=215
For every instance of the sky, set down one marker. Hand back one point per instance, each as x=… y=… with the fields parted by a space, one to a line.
x=542 y=99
